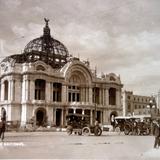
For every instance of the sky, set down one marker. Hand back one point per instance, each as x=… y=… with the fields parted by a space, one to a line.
x=116 y=36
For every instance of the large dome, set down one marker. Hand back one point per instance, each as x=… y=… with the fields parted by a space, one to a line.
x=44 y=48
x=52 y=47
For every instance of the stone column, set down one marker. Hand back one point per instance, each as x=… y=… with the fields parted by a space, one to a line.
x=64 y=93
x=32 y=89
x=103 y=96
x=18 y=90
x=91 y=117
x=11 y=90
x=104 y=116
x=84 y=92
x=90 y=95
x=23 y=115
x=48 y=92
x=27 y=90
x=54 y=116
x=117 y=98
x=107 y=97
x=87 y=94
x=65 y=114
x=100 y=96
x=83 y=111
x=51 y=92
x=101 y=116
x=50 y=114
x=81 y=92
x=62 y=117
x=23 y=89
x=2 y=92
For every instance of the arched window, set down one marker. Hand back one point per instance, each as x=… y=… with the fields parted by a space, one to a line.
x=112 y=96
x=40 y=89
x=40 y=68
x=6 y=90
x=112 y=78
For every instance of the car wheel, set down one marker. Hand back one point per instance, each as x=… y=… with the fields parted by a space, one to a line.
x=69 y=130
x=126 y=130
x=117 y=129
x=86 y=131
x=80 y=132
x=97 y=131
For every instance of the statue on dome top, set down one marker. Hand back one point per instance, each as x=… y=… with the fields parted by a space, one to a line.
x=46 y=20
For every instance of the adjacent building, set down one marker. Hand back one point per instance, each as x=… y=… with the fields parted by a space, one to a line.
x=138 y=104
x=45 y=83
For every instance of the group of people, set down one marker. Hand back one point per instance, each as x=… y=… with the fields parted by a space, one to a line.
x=2 y=123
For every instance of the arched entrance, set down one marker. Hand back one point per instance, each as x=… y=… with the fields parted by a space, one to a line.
x=40 y=116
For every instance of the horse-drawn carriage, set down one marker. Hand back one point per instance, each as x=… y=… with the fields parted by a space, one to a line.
x=79 y=124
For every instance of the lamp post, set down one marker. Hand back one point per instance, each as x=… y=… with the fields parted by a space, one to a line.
x=151 y=106
x=95 y=112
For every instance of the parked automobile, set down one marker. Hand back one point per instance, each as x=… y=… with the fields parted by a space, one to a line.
x=120 y=123
x=79 y=124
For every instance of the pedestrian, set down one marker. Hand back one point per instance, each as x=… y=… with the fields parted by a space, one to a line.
x=3 y=114
x=2 y=123
x=96 y=123
x=113 y=121
x=156 y=133
x=2 y=129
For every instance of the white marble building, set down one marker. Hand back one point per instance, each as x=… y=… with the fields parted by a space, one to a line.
x=44 y=83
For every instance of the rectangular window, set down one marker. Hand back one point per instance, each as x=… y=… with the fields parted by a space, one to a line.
x=78 y=98
x=69 y=97
x=73 y=97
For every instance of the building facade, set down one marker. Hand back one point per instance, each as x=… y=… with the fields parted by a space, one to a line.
x=45 y=83
x=137 y=104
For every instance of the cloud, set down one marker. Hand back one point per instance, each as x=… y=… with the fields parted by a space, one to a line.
x=33 y=11
x=19 y=31
x=116 y=36
x=2 y=50
x=12 y=4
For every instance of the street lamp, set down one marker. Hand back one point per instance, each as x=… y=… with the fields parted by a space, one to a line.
x=151 y=106
x=95 y=105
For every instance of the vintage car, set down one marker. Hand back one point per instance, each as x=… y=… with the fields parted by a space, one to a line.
x=79 y=124
x=120 y=123
x=133 y=125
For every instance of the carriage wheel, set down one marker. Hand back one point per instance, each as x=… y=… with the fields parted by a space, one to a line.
x=86 y=131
